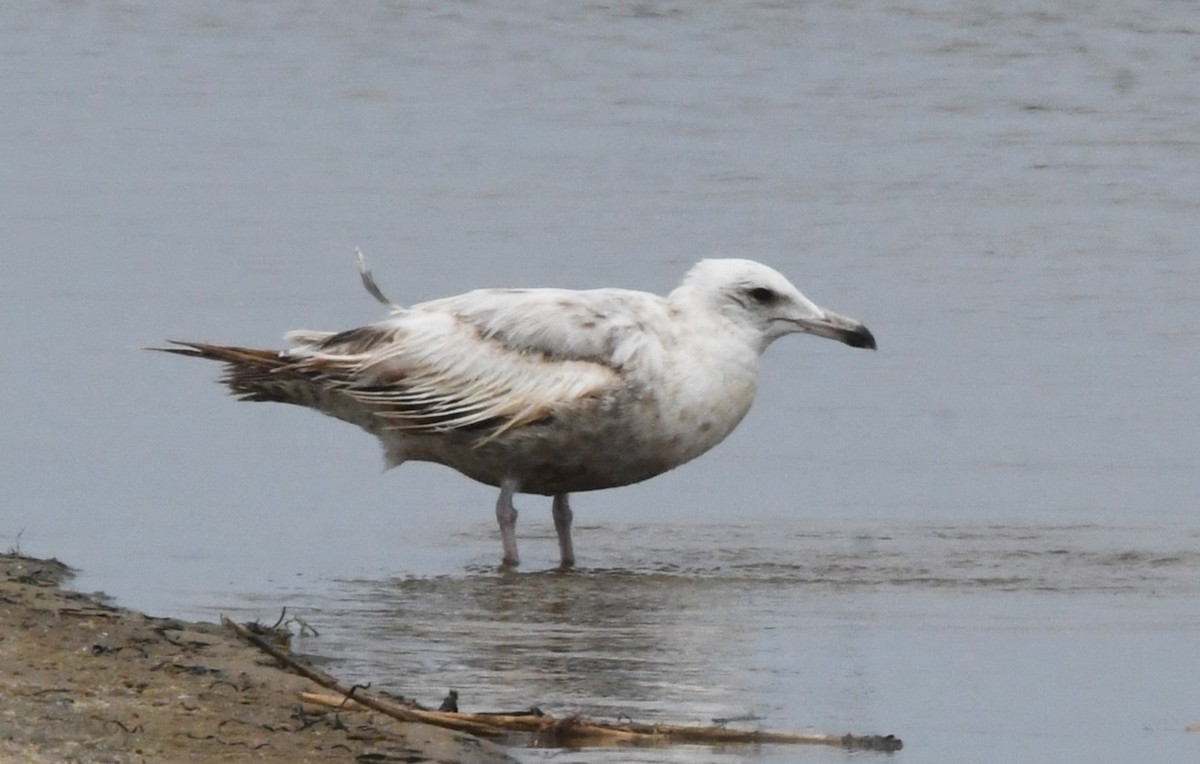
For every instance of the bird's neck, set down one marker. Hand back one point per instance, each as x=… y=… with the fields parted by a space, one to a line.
x=716 y=373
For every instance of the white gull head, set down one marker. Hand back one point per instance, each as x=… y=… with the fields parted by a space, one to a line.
x=545 y=391
x=761 y=305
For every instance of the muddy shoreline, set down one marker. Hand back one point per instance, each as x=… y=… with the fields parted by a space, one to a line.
x=84 y=681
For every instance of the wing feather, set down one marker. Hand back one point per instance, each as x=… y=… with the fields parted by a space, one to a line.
x=489 y=360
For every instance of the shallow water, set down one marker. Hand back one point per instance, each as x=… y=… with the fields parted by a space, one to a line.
x=956 y=637
x=982 y=538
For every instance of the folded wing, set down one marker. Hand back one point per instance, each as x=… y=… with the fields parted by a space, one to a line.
x=483 y=362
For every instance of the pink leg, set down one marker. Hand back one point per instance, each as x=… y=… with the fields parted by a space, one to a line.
x=506 y=516
x=562 y=523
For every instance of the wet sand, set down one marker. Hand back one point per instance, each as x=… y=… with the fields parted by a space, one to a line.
x=85 y=681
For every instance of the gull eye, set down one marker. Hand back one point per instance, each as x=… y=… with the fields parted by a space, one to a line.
x=762 y=295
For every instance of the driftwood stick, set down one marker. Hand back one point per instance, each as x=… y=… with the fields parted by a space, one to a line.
x=351 y=694
x=548 y=730
x=576 y=730
x=304 y=670
x=491 y=725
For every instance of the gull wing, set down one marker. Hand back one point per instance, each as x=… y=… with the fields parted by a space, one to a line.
x=488 y=360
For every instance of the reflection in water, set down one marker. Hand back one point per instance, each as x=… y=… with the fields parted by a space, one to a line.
x=610 y=641
x=670 y=641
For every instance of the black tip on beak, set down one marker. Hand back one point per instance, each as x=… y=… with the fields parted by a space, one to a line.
x=836 y=327
x=860 y=337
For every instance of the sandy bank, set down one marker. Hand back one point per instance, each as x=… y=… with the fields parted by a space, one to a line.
x=81 y=680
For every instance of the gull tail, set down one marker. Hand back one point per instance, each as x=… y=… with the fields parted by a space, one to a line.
x=269 y=375
x=251 y=374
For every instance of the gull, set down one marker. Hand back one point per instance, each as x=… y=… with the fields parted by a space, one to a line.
x=545 y=391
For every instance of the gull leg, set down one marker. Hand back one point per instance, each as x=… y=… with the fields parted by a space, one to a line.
x=506 y=516
x=562 y=523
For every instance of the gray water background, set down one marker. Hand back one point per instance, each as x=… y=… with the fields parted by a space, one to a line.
x=982 y=538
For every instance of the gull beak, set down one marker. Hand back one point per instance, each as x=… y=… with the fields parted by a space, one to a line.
x=837 y=327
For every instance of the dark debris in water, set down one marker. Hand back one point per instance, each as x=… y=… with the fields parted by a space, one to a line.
x=872 y=742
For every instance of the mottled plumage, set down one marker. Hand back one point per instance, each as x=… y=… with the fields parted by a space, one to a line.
x=545 y=391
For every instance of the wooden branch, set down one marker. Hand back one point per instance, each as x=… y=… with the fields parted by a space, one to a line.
x=548 y=730
x=384 y=706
